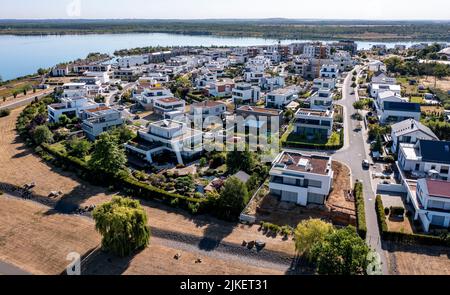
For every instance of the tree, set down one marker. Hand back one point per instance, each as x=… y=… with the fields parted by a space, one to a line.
x=107 y=156
x=310 y=232
x=41 y=71
x=64 y=120
x=342 y=252
x=288 y=115
x=78 y=147
x=122 y=134
x=378 y=146
x=123 y=226
x=185 y=184
x=440 y=71
x=42 y=135
x=253 y=182
x=237 y=160
x=233 y=198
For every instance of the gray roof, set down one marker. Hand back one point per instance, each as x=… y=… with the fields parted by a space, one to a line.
x=435 y=151
x=242 y=176
x=402 y=106
x=411 y=125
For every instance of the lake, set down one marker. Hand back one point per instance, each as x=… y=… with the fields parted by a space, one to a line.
x=23 y=55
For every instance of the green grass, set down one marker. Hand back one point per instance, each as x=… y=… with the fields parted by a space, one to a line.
x=417 y=99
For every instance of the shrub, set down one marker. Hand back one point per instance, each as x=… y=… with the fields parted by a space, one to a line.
x=4 y=113
x=397 y=210
x=360 y=210
x=386 y=211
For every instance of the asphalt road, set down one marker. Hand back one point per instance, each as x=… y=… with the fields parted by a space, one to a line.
x=9 y=269
x=24 y=101
x=355 y=150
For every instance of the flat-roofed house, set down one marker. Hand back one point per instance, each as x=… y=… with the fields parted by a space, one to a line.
x=169 y=107
x=166 y=136
x=314 y=123
x=99 y=120
x=300 y=178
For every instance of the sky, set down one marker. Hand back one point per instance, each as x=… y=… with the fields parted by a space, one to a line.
x=202 y=9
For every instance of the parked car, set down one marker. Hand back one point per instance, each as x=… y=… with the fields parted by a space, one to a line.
x=366 y=164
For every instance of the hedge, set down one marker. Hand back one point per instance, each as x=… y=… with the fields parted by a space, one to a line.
x=360 y=210
x=405 y=238
x=131 y=186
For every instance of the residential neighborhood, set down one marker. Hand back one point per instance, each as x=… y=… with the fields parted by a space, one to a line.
x=231 y=160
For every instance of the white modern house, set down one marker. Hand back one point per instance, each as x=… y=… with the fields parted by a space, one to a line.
x=60 y=70
x=281 y=97
x=81 y=68
x=103 y=77
x=425 y=158
x=99 y=120
x=132 y=61
x=326 y=83
x=431 y=201
x=321 y=100
x=71 y=107
x=166 y=136
x=245 y=93
x=376 y=89
x=220 y=88
x=377 y=66
x=314 y=123
x=146 y=97
x=300 y=178
x=207 y=109
x=330 y=71
x=410 y=131
x=169 y=107
x=74 y=90
x=383 y=79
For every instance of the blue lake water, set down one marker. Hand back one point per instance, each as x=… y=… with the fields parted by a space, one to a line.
x=23 y=55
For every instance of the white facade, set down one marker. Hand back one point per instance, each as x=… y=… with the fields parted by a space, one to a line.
x=132 y=61
x=245 y=93
x=301 y=179
x=147 y=96
x=313 y=124
x=169 y=108
x=99 y=120
x=321 y=100
x=74 y=90
x=71 y=107
x=329 y=71
x=410 y=131
x=376 y=89
x=167 y=136
x=326 y=83
x=281 y=97
x=377 y=66
x=203 y=110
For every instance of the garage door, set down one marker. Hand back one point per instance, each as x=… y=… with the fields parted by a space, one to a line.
x=289 y=197
x=438 y=220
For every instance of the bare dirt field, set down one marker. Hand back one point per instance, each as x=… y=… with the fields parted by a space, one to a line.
x=38 y=240
x=19 y=166
x=418 y=260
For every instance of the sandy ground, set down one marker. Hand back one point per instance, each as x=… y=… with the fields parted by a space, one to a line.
x=418 y=260
x=19 y=166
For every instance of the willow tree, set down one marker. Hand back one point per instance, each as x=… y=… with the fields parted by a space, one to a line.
x=122 y=222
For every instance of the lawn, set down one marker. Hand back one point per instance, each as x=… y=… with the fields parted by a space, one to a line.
x=301 y=139
x=416 y=99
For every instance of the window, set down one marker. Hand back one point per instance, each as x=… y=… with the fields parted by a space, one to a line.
x=417 y=168
x=444 y=169
x=314 y=183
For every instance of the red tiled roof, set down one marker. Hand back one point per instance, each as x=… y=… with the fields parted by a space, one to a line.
x=438 y=188
x=103 y=108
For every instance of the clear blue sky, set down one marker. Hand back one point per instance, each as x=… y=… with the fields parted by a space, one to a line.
x=197 y=9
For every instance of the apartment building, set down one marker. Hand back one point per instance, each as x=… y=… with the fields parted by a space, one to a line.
x=132 y=61
x=330 y=71
x=314 y=124
x=301 y=179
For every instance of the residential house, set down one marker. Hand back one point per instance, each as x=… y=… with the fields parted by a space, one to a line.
x=410 y=131
x=376 y=89
x=300 y=178
x=128 y=74
x=257 y=116
x=60 y=70
x=71 y=107
x=99 y=120
x=220 y=88
x=425 y=158
x=391 y=111
x=377 y=66
x=383 y=79
x=430 y=199
x=321 y=100
x=314 y=124
x=81 y=68
x=166 y=136
x=329 y=71
x=199 y=112
x=281 y=97
x=146 y=96
x=169 y=107
x=244 y=93
x=133 y=61
x=320 y=83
